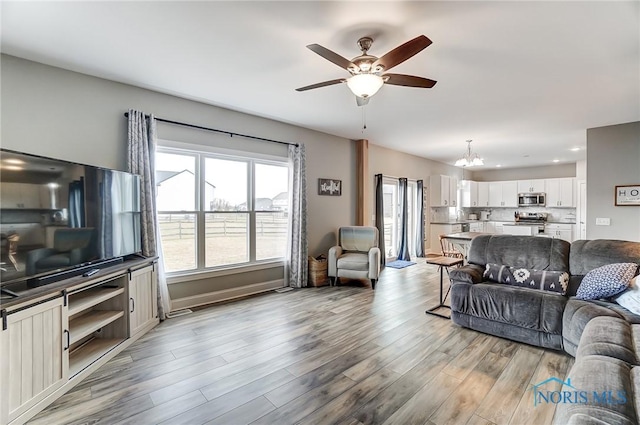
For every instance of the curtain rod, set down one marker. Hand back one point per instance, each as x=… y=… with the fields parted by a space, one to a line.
x=231 y=134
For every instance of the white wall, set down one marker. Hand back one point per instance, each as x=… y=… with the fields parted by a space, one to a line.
x=57 y=113
x=613 y=158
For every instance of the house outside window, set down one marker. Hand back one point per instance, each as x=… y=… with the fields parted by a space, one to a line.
x=217 y=211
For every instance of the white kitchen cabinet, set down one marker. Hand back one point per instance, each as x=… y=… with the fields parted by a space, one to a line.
x=443 y=191
x=517 y=229
x=560 y=231
x=483 y=194
x=531 y=186
x=436 y=230
x=476 y=226
x=493 y=227
x=560 y=192
x=503 y=194
x=35 y=357
x=453 y=191
x=469 y=192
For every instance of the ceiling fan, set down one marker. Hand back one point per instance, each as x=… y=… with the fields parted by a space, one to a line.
x=369 y=73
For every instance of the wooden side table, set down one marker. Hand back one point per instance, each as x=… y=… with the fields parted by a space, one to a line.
x=443 y=262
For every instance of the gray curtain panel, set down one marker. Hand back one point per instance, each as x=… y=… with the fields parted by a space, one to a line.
x=142 y=141
x=296 y=266
x=403 y=239
x=419 y=237
x=380 y=219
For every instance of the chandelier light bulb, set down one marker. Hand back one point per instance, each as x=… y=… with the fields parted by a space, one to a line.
x=469 y=159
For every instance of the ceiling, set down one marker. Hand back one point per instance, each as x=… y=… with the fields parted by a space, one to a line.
x=524 y=80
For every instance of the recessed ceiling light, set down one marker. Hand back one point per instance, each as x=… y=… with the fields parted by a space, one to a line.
x=499 y=165
x=556 y=160
x=574 y=149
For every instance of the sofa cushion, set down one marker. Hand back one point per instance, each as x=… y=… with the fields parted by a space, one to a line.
x=606 y=281
x=527 y=252
x=577 y=314
x=468 y=274
x=522 y=307
x=608 y=336
x=608 y=393
x=354 y=261
x=587 y=255
x=545 y=280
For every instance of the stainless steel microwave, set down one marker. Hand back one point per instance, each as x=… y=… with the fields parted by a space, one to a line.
x=531 y=199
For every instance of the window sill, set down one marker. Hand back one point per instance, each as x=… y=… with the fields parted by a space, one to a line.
x=204 y=274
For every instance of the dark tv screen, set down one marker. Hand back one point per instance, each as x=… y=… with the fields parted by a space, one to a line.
x=58 y=215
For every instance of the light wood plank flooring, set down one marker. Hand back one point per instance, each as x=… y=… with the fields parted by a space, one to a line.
x=332 y=355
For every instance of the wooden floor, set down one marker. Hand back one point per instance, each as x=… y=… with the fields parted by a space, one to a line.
x=330 y=355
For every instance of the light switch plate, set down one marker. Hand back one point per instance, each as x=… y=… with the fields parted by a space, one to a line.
x=600 y=221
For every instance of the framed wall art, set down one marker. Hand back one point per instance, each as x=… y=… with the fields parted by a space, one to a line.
x=329 y=187
x=628 y=195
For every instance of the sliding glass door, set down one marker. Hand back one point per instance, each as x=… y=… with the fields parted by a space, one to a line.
x=392 y=223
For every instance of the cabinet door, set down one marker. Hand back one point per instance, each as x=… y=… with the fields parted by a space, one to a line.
x=538 y=186
x=483 y=194
x=143 y=301
x=524 y=186
x=453 y=191
x=34 y=360
x=510 y=194
x=439 y=193
x=566 y=192
x=553 y=193
x=495 y=194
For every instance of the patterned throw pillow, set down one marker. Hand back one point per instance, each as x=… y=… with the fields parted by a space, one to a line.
x=544 y=280
x=606 y=281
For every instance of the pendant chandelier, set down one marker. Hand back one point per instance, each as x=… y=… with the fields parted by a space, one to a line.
x=469 y=159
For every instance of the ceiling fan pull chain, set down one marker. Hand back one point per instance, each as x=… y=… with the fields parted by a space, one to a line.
x=364 y=118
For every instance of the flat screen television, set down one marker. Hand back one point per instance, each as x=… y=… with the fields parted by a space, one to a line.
x=59 y=218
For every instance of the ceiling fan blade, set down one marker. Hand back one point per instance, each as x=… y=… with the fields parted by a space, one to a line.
x=331 y=56
x=322 y=84
x=409 y=81
x=402 y=53
x=361 y=101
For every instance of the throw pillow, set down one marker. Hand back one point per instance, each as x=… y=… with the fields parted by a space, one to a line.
x=544 y=280
x=606 y=281
x=630 y=298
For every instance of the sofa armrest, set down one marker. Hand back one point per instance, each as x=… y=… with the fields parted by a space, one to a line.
x=468 y=274
x=332 y=262
x=374 y=263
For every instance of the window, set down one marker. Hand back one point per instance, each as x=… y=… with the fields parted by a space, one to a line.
x=220 y=210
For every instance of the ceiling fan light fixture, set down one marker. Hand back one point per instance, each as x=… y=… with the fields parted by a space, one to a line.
x=469 y=159
x=365 y=85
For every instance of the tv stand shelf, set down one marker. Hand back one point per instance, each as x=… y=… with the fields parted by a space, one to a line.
x=87 y=354
x=87 y=299
x=91 y=322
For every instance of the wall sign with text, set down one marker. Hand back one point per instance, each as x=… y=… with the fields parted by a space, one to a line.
x=628 y=195
x=329 y=187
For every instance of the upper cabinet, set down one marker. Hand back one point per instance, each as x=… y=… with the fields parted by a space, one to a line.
x=560 y=192
x=503 y=194
x=483 y=194
x=443 y=191
x=532 y=186
x=469 y=193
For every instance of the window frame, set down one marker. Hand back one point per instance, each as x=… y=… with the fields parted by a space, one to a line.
x=201 y=154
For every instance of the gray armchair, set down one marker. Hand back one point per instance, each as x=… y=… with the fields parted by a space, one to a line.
x=356 y=256
x=70 y=247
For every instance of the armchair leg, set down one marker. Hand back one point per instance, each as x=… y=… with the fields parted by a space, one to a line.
x=373 y=284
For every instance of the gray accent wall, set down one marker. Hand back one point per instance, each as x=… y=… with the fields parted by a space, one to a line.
x=613 y=158
x=62 y=114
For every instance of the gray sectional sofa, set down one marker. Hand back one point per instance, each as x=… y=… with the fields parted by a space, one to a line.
x=603 y=336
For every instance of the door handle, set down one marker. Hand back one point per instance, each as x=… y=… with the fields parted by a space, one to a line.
x=133 y=305
x=68 y=339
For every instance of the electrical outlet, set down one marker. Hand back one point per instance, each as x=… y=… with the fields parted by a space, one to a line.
x=600 y=221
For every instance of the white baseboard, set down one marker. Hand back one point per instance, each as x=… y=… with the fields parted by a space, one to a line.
x=225 y=294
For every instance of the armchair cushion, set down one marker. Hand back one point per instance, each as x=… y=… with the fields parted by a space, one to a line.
x=354 y=261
